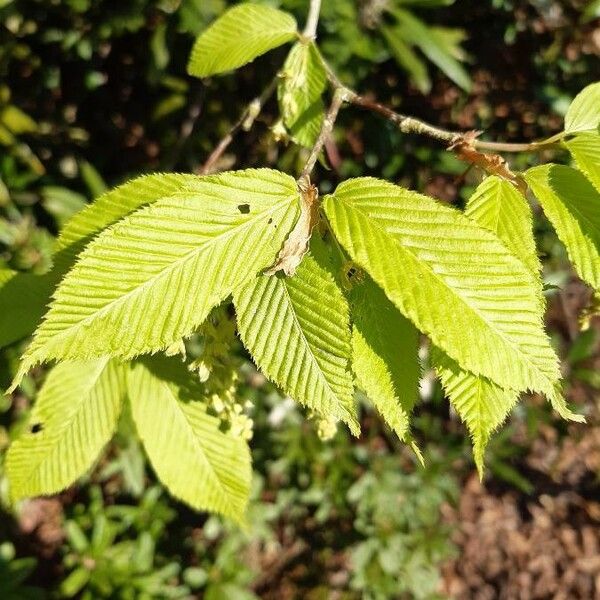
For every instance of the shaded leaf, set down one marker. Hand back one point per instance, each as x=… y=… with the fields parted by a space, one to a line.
x=302 y=83
x=196 y=461
x=585 y=149
x=433 y=45
x=572 y=205
x=385 y=347
x=481 y=404
x=74 y=417
x=23 y=301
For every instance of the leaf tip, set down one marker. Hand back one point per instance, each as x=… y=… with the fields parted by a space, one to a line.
x=559 y=404
x=353 y=425
x=480 y=470
x=417 y=452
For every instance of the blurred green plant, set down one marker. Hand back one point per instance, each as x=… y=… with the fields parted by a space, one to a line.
x=105 y=561
x=404 y=535
x=14 y=573
x=82 y=59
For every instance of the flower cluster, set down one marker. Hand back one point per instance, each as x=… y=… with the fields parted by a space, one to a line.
x=217 y=368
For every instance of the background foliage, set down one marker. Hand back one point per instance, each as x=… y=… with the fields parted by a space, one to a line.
x=95 y=92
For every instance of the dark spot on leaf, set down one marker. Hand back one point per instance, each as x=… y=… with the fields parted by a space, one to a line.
x=270 y=221
x=244 y=208
x=36 y=427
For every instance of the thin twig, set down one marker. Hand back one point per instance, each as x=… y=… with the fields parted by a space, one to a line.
x=245 y=122
x=312 y=20
x=405 y=123
x=408 y=124
x=339 y=97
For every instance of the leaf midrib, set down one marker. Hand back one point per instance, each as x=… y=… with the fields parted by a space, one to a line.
x=55 y=441
x=401 y=247
x=182 y=417
x=169 y=268
x=308 y=346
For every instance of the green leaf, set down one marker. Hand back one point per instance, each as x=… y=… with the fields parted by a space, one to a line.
x=62 y=203
x=591 y=11
x=438 y=48
x=455 y=280
x=572 y=205
x=407 y=58
x=385 y=358
x=298 y=332
x=112 y=206
x=197 y=462
x=585 y=149
x=153 y=277
x=17 y=121
x=74 y=417
x=498 y=206
x=299 y=92
x=24 y=297
x=238 y=37
x=481 y=404
x=23 y=300
x=584 y=112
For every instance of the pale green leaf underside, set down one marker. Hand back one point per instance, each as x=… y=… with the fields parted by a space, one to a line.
x=585 y=149
x=76 y=413
x=455 y=280
x=385 y=347
x=152 y=278
x=299 y=92
x=572 y=205
x=298 y=332
x=498 y=206
x=238 y=37
x=197 y=462
x=481 y=404
x=584 y=112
